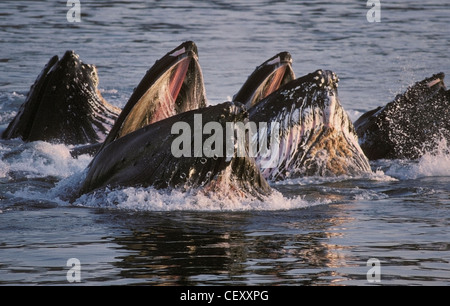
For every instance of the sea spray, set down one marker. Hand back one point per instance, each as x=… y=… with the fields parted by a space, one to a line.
x=41 y=159
x=150 y=199
x=435 y=163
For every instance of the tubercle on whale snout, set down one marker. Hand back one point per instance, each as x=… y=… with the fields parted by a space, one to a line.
x=326 y=78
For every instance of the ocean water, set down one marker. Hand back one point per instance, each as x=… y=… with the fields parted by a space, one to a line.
x=312 y=231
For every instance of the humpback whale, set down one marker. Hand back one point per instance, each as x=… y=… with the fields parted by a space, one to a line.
x=174 y=84
x=145 y=157
x=265 y=79
x=315 y=134
x=409 y=126
x=64 y=106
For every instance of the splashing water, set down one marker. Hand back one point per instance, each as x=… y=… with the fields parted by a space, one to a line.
x=150 y=199
x=435 y=163
x=39 y=160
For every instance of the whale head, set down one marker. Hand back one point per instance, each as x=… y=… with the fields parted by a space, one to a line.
x=409 y=126
x=313 y=135
x=64 y=105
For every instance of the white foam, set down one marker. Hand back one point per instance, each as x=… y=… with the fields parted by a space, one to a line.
x=366 y=194
x=8 y=109
x=41 y=159
x=150 y=199
x=108 y=91
x=436 y=163
x=4 y=169
x=377 y=175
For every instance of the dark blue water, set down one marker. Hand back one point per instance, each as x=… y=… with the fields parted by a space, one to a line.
x=313 y=231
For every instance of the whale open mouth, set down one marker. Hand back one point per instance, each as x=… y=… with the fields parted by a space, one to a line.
x=159 y=101
x=173 y=85
x=266 y=79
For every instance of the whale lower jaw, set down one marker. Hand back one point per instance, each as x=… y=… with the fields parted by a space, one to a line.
x=315 y=148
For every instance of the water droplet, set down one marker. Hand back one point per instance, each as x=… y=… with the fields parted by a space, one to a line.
x=203 y=160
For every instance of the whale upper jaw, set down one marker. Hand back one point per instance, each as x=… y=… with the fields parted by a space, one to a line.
x=64 y=105
x=316 y=135
x=266 y=79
